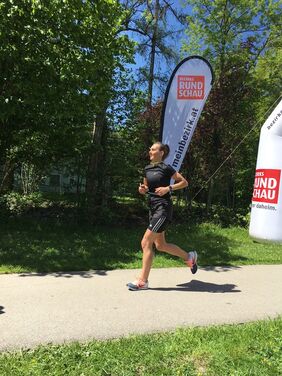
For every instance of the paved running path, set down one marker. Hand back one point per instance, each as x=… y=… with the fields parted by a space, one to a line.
x=62 y=307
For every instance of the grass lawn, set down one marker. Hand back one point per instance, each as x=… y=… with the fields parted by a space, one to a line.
x=47 y=246
x=253 y=349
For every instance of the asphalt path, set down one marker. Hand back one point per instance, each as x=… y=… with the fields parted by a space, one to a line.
x=62 y=307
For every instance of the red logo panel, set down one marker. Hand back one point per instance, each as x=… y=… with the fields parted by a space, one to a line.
x=266 y=186
x=190 y=87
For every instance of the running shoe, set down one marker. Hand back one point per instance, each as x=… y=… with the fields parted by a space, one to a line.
x=192 y=261
x=137 y=285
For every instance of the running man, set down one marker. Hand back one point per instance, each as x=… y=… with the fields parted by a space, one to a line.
x=157 y=185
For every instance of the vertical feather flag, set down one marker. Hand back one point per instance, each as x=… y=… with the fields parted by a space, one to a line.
x=186 y=94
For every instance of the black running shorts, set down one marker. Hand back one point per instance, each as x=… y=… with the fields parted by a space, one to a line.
x=160 y=215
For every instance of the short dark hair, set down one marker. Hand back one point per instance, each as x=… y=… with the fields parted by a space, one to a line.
x=163 y=147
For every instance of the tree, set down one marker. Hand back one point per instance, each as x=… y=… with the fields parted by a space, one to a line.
x=155 y=38
x=57 y=61
x=155 y=43
x=233 y=36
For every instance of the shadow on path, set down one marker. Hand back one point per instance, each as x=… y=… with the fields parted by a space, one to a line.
x=219 y=269
x=200 y=286
x=87 y=274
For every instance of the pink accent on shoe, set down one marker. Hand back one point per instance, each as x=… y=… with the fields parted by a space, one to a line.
x=191 y=259
x=140 y=283
x=189 y=263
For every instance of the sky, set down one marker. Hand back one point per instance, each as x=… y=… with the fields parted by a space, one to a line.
x=161 y=65
x=173 y=24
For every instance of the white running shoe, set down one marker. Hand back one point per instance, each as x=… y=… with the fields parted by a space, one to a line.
x=138 y=285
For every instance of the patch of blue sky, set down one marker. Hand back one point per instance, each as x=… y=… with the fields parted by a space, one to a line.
x=163 y=68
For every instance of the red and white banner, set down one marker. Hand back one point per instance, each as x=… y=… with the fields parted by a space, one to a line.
x=266 y=186
x=186 y=94
x=266 y=214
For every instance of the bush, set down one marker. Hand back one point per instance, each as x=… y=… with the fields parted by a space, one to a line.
x=218 y=214
x=14 y=203
x=225 y=217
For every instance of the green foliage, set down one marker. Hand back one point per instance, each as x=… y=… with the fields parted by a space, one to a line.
x=126 y=155
x=219 y=28
x=57 y=60
x=156 y=37
x=39 y=205
x=240 y=39
x=225 y=217
x=268 y=74
x=30 y=177
x=64 y=62
x=14 y=203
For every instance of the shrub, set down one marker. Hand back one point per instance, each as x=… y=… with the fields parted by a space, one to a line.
x=15 y=203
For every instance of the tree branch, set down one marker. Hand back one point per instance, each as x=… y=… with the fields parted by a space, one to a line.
x=251 y=30
x=210 y=12
x=134 y=30
x=224 y=14
x=174 y=12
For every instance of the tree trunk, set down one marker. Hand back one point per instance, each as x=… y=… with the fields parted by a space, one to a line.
x=153 y=54
x=147 y=135
x=7 y=178
x=92 y=189
x=209 y=196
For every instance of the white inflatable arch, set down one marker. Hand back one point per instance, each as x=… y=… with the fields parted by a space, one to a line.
x=266 y=211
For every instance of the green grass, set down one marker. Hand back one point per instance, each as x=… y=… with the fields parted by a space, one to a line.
x=249 y=349
x=47 y=246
